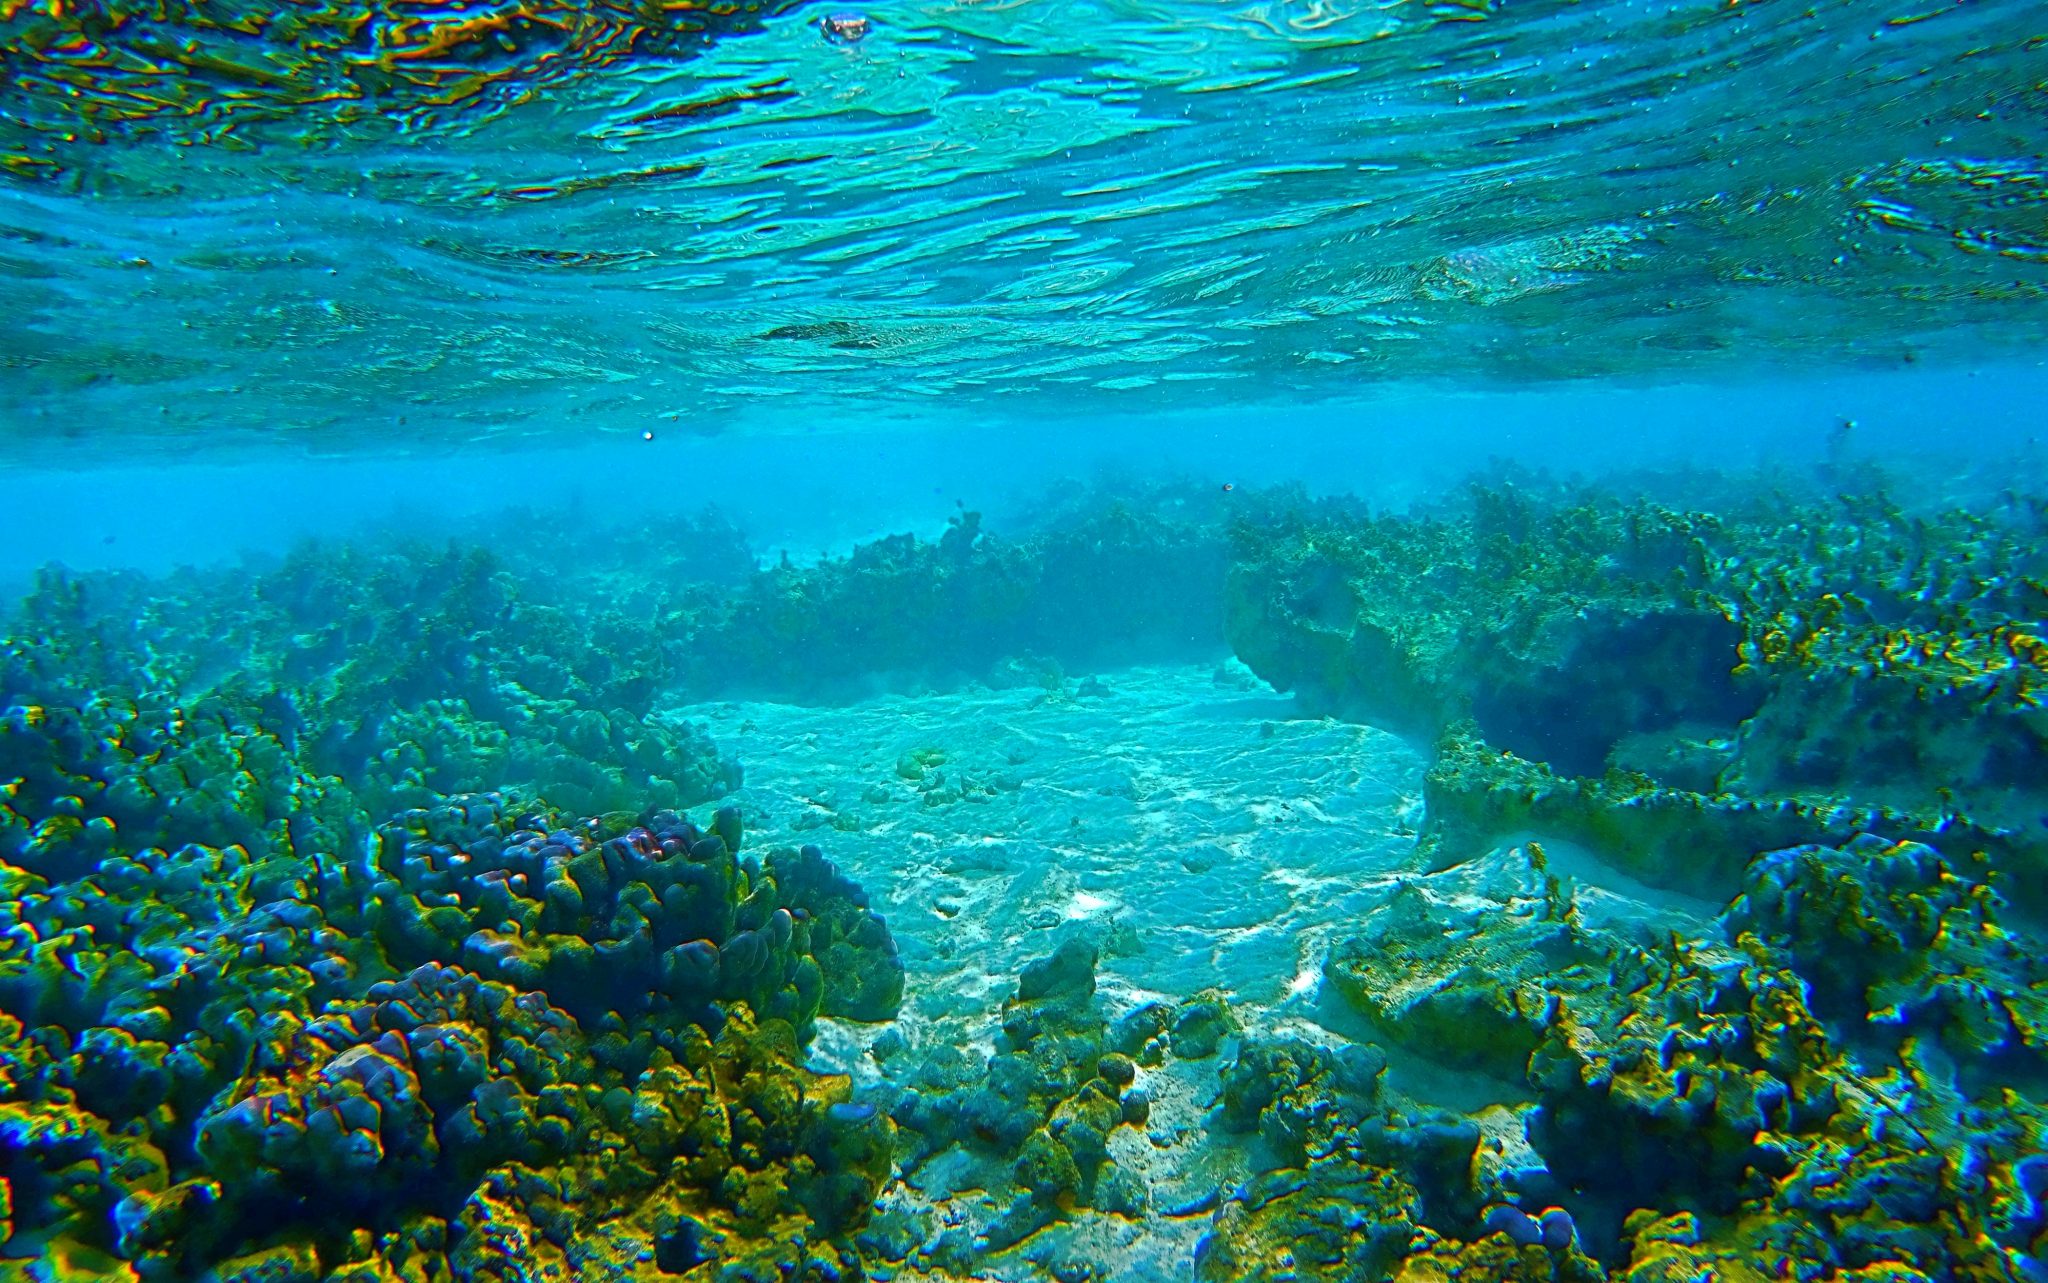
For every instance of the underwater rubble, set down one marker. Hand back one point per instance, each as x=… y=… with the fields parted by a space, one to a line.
x=1037 y=1119
x=353 y=929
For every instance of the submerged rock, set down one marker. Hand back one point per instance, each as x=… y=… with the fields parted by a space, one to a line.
x=1046 y=1104
x=1676 y=689
x=1341 y=1222
x=1889 y=934
x=1068 y=975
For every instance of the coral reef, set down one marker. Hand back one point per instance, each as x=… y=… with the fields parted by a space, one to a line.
x=1886 y=934
x=237 y=988
x=499 y=1043
x=286 y=712
x=1361 y=1178
x=1047 y=1102
x=1471 y=982
x=1112 y=579
x=1824 y=713
x=334 y=639
x=283 y=995
x=1690 y=841
x=1678 y=688
x=1705 y=1092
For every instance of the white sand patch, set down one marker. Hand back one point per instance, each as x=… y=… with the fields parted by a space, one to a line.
x=1201 y=839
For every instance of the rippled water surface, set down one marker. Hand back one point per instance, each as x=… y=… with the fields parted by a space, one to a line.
x=382 y=221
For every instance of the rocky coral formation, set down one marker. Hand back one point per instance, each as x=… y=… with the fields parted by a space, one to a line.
x=1036 y=1121
x=1668 y=836
x=1114 y=579
x=1696 y=1101
x=1825 y=713
x=550 y=620
x=286 y=713
x=498 y=1044
x=1888 y=935
x=1338 y=1221
x=1469 y=985
x=1506 y=612
x=1362 y=1178
x=118 y=775
x=246 y=1033
x=1678 y=688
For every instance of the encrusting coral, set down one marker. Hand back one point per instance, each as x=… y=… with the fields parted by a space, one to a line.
x=202 y=968
x=289 y=711
x=1836 y=1081
x=1888 y=935
x=283 y=997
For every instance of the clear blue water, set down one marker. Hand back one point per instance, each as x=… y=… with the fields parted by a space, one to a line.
x=1030 y=639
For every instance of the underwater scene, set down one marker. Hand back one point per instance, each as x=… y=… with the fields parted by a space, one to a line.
x=1023 y=641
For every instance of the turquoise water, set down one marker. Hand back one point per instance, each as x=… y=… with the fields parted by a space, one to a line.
x=1113 y=208
x=1025 y=640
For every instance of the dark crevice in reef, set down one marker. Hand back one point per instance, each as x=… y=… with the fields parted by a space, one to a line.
x=1573 y=714
x=681 y=1249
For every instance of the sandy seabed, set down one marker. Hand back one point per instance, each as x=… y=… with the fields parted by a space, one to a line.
x=1186 y=820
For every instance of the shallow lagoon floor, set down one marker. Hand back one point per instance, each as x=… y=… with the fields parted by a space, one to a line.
x=1193 y=824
